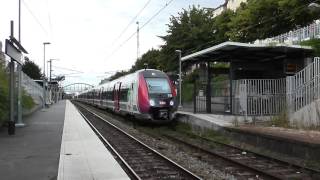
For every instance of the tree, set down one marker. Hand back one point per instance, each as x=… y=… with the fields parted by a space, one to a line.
x=31 y=69
x=4 y=94
x=191 y=31
x=222 y=26
x=260 y=19
x=118 y=74
x=151 y=58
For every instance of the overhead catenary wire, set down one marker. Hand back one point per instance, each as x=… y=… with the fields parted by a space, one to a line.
x=147 y=22
x=35 y=17
x=130 y=23
x=49 y=18
x=67 y=69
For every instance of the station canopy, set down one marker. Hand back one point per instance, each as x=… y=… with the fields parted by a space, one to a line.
x=235 y=51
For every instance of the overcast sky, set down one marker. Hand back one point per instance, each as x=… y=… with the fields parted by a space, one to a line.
x=84 y=33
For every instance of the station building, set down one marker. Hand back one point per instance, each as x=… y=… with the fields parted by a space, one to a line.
x=257 y=80
x=228 y=4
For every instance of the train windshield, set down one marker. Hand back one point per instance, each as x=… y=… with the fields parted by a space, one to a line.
x=158 y=85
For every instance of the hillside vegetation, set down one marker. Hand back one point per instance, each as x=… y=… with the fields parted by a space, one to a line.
x=196 y=28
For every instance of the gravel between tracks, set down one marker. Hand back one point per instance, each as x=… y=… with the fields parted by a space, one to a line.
x=195 y=165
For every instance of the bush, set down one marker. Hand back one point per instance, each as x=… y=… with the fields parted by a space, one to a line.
x=27 y=101
x=315 y=44
x=4 y=94
x=187 y=92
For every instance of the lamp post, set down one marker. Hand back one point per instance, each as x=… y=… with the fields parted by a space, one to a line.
x=50 y=67
x=19 y=122
x=44 y=73
x=179 y=53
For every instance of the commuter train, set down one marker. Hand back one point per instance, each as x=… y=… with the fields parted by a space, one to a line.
x=147 y=94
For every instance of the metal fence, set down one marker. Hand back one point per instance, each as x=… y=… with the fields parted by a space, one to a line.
x=220 y=97
x=296 y=36
x=271 y=96
x=32 y=88
x=303 y=88
x=258 y=96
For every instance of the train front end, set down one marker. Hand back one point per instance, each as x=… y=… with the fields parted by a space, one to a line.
x=157 y=96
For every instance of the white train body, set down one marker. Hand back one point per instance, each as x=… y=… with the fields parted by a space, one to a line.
x=145 y=94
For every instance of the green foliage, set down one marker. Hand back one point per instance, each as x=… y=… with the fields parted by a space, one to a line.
x=260 y=19
x=27 y=101
x=118 y=74
x=31 y=69
x=4 y=94
x=196 y=28
x=281 y=120
x=187 y=92
x=191 y=31
x=315 y=44
x=151 y=58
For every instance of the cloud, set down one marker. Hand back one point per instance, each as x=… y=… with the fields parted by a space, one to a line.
x=82 y=31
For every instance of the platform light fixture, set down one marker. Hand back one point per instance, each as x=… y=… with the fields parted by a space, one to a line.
x=44 y=73
x=180 y=80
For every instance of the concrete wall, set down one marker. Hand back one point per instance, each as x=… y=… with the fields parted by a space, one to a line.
x=261 y=142
x=308 y=116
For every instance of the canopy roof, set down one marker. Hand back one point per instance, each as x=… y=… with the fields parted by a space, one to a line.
x=235 y=51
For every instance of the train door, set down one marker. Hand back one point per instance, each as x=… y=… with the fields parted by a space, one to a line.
x=115 y=96
x=130 y=98
x=116 y=92
x=118 y=100
x=101 y=97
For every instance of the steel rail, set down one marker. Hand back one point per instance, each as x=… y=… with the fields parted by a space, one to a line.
x=106 y=142
x=134 y=139
x=262 y=171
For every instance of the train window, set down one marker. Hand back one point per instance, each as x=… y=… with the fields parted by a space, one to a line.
x=124 y=95
x=158 y=85
x=109 y=95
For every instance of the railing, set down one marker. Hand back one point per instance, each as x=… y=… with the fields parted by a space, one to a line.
x=296 y=36
x=258 y=96
x=303 y=88
x=271 y=96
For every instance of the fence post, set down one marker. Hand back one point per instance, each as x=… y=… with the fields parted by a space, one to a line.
x=194 y=96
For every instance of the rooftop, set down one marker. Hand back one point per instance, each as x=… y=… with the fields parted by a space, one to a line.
x=235 y=51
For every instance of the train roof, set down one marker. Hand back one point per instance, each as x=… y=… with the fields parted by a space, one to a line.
x=118 y=79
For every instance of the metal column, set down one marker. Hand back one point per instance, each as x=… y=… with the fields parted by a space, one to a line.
x=208 y=94
x=231 y=78
x=11 y=128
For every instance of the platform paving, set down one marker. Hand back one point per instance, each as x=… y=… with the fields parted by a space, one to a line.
x=83 y=156
x=33 y=152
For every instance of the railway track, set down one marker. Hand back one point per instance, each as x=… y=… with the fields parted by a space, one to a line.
x=262 y=166
x=243 y=164
x=139 y=160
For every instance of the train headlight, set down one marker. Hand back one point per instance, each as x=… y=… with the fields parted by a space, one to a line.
x=171 y=103
x=151 y=102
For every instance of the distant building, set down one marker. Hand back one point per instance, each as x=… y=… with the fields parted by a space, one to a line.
x=234 y=4
x=218 y=10
x=228 y=4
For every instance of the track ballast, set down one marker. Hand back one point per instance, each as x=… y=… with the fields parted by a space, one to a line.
x=140 y=161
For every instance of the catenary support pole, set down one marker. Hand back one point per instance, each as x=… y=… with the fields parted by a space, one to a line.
x=19 y=122
x=11 y=124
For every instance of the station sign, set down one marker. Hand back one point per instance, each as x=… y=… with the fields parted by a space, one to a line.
x=13 y=52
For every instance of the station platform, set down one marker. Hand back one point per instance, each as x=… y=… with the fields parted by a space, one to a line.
x=303 y=144
x=33 y=152
x=83 y=156
x=56 y=143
